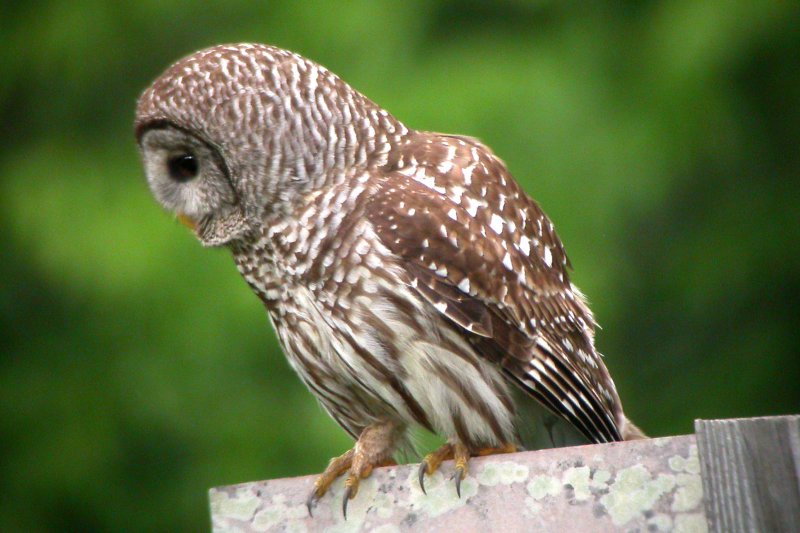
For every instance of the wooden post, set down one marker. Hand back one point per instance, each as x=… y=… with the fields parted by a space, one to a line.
x=751 y=473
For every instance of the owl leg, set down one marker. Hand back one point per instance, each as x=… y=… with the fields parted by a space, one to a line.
x=460 y=454
x=373 y=448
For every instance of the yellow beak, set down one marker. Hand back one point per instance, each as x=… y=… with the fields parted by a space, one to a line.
x=187 y=221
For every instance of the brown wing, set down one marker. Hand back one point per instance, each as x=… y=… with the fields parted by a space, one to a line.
x=486 y=257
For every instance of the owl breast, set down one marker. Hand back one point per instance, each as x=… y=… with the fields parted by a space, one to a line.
x=358 y=335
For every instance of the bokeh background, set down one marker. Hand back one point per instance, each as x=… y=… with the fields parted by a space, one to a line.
x=137 y=370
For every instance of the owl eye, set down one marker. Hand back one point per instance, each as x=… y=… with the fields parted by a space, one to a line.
x=182 y=167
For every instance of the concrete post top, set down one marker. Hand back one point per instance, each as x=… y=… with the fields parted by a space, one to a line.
x=646 y=485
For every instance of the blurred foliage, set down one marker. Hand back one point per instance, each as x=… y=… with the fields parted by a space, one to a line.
x=137 y=370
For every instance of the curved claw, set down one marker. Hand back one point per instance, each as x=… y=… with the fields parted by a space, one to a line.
x=430 y=463
x=461 y=455
x=422 y=469
x=459 y=476
x=348 y=495
x=312 y=499
x=316 y=493
x=351 y=487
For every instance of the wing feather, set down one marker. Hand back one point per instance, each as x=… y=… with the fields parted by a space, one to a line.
x=499 y=273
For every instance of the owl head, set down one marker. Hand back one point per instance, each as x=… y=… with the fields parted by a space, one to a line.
x=233 y=135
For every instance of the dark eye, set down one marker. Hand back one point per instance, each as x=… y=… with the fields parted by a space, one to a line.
x=182 y=167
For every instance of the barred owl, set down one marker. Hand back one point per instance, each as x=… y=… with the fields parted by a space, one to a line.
x=409 y=278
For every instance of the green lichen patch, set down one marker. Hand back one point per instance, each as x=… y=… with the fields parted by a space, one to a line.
x=441 y=494
x=241 y=505
x=581 y=480
x=503 y=473
x=690 y=464
x=542 y=486
x=690 y=523
x=689 y=495
x=279 y=513
x=634 y=491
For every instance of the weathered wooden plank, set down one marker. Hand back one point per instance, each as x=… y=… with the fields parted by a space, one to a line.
x=751 y=473
x=646 y=485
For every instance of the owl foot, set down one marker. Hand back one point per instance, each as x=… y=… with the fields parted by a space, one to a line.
x=336 y=467
x=372 y=449
x=431 y=462
x=460 y=454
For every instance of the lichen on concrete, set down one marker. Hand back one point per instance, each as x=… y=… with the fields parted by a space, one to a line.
x=241 y=505
x=689 y=464
x=541 y=486
x=690 y=523
x=650 y=485
x=503 y=472
x=689 y=494
x=440 y=496
x=279 y=512
x=582 y=481
x=634 y=491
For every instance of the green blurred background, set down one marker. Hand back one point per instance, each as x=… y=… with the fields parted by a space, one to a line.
x=137 y=370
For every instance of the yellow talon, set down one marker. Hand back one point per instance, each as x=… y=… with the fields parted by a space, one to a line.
x=431 y=462
x=460 y=454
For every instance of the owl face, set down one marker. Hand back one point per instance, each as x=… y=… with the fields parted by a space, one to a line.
x=189 y=177
x=186 y=175
x=232 y=137
x=216 y=142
